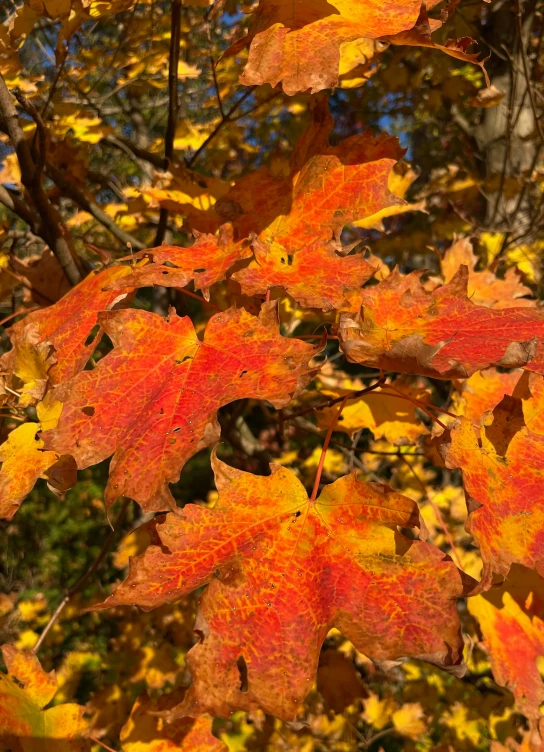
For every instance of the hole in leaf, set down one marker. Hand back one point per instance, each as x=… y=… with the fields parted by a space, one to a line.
x=176 y=429
x=243 y=373
x=165 y=272
x=89 y=410
x=297 y=514
x=198 y=271
x=92 y=335
x=200 y=634
x=242 y=670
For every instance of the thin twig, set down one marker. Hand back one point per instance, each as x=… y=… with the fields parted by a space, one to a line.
x=379 y=735
x=193 y=295
x=435 y=509
x=88 y=205
x=86 y=575
x=336 y=400
x=97 y=741
x=220 y=125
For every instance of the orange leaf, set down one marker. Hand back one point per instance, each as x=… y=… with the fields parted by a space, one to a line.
x=284 y=570
x=484 y=287
x=206 y=262
x=154 y=408
x=511 y=619
x=502 y=472
x=299 y=43
x=298 y=218
x=441 y=334
x=316 y=278
x=68 y=323
x=483 y=391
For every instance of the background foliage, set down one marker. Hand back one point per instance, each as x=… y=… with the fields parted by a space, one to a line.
x=139 y=148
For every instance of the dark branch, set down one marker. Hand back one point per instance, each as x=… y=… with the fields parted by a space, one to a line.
x=173 y=64
x=51 y=228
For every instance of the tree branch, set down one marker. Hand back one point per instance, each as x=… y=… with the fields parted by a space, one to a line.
x=19 y=207
x=51 y=229
x=173 y=63
x=85 y=203
x=125 y=144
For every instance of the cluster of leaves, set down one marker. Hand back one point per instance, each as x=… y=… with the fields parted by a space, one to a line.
x=226 y=375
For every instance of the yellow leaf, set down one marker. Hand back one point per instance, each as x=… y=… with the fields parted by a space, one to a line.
x=23 y=463
x=465 y=729
x=187 y=71
x=409 y=720
x=384 y=412
x=26 y=639
x=31 y=608
x=378 y=713
x=33 y=359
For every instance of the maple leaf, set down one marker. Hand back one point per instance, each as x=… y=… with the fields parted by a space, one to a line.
x=32 y=360
x=483 y=391
x=206 y=262
x=295 y=220
x=161 y=404
x=484 y=287
x=400 y=179
x=283 y=571
x=299 y=43
x=511 y=619
x=502 y=470
x=44 y=275
x=67 y=324
x=316 y=278
x=384 y=412
x=24 y=724
x=146 y=731
x=24 y=461
x=327 y=188
x=442 y=334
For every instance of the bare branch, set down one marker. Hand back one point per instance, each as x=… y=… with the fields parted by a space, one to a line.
x=19 y=207
x=51 y=229
x=85 y=203
x=173 y=63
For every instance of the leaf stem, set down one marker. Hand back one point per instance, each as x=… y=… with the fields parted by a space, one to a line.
x=19 y=313
x=325 y=447
x=197 y=297
x=97 y=741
